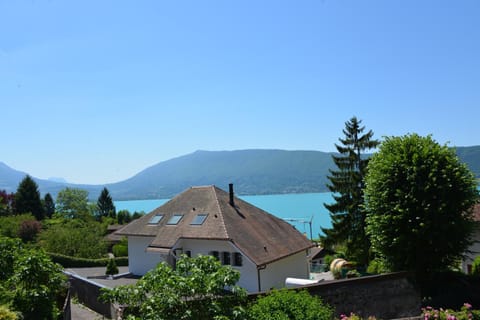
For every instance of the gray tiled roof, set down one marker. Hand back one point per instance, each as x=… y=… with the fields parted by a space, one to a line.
x=259 y=235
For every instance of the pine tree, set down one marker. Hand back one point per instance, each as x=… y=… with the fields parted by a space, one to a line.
x=347 y=184
x=105 y=207
x=27 y=199
x=49 y=205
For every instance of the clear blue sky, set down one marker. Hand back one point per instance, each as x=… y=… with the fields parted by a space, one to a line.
x=96 y=91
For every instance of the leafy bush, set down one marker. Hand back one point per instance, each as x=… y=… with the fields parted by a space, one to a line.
x=74 y=262
x=476 y=266
x=289 y=304
x=10 y=226
x=120 y=250
x=75 y=238
x=7 y=314
x=111 y=267
x=195 y=289
x=29 y=229
x=377 y=266
x=328 y=260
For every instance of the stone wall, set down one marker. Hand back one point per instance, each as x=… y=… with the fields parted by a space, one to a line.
x=87 y=292
x=387 y=296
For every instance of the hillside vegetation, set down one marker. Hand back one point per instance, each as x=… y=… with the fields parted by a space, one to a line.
x=252 y=172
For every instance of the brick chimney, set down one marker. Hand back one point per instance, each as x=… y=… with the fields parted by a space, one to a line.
x=230 y=189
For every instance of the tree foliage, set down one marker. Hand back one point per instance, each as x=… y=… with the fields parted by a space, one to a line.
x=289 y=305
x=419 y=199
x=49 y=205
x=7 y=201
x=196 y=289
x=105 y=207
x=27 y=199
x=73 y=203
x=75 y=238
x=346 y=184
x=34 y=282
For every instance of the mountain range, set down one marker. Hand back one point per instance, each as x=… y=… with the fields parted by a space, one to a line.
x=251 y=171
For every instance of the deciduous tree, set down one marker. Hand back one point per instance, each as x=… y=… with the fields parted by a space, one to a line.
x=346 y=184
x=73 y=203
x=195 y=289
x=419 y=199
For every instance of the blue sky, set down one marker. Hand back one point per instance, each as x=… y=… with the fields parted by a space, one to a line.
x=96 y=91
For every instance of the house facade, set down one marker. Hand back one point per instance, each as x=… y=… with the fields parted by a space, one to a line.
x=474 y=249
x=209 y=221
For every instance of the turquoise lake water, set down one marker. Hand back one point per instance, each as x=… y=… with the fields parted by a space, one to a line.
x=297 y=209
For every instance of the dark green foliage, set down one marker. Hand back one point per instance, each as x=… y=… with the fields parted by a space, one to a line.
x=27 y=199
x=124 y=217
x=49 y=205
x=34 y=282
x=476 y=266
x=111 y=267
x=105 y=207
x=121 y=249
x=73 y=203
x=290 y=305
x=419 y=199
x=73 y=262
x=7 y=201
x=75 y=238
x=10 y=225
x=347 y=183
x=195 y=289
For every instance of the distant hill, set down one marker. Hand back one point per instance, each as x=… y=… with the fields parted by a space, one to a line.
x=251 y=171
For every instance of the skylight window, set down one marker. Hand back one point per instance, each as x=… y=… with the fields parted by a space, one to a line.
x=175 y=219
x=199 y=219
x=155 y=219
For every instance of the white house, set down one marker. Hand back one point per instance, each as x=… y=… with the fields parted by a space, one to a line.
x=209 y=221
x=474 y=249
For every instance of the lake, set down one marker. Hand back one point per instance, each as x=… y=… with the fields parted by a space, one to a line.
x=297 y=209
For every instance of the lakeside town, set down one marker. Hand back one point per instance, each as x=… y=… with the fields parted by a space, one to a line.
x=207 y=253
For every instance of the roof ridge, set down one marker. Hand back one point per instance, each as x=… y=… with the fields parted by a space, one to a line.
x=217 y=202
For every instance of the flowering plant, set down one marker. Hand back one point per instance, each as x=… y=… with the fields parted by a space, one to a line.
x=465 y=313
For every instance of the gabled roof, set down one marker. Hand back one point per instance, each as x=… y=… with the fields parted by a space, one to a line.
x=259 y=235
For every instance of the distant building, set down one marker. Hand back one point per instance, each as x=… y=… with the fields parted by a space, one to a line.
x=474 y=249
x=209 y=221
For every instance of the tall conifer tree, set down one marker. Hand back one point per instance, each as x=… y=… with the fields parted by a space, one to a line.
x=105 y=205
x=347 y=184
x=49 y=205
x=27 y=199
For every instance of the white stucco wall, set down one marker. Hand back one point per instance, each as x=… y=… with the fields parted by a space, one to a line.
x=139 y=260
x=274 y=274
x=475 y=251
x=248 y=270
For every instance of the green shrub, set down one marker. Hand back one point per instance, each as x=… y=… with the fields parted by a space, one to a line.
x=73 y=262
x=7 y=314
x=111 y=267
x=377 y=266
x=290 y=305
x=328 y=260
x=120 y=250
x=476 y=266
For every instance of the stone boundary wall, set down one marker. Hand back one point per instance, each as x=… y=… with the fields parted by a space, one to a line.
x=87 y=293
x=389 y=296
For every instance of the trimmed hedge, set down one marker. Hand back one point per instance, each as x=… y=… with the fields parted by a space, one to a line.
x=74 y=262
